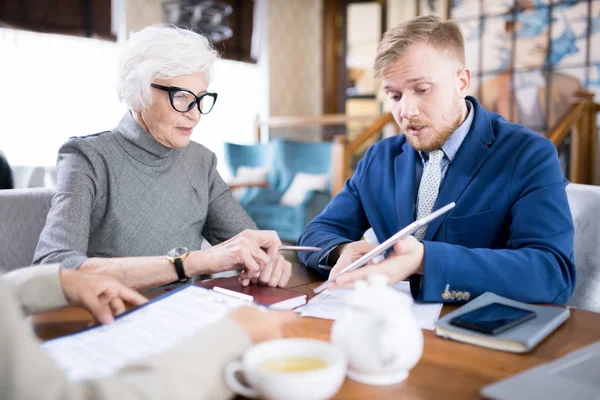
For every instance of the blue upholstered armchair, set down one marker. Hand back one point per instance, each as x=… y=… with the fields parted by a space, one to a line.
x=294 y=167
x=254 y=156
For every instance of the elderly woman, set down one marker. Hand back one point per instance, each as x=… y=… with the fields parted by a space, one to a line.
x=135 y=202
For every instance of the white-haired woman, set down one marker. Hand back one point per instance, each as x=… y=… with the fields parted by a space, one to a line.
x=135 y=202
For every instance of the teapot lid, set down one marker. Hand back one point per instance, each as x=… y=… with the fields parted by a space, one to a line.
x=375 y=294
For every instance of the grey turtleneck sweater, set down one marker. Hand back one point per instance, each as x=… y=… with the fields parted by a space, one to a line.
x=123 y=194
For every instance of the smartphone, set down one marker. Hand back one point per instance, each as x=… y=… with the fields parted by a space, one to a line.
x=493 y=318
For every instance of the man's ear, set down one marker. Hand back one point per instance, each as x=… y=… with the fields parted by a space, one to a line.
x=463 y=78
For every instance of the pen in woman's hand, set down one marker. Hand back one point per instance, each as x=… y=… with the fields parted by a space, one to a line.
x=299 y=248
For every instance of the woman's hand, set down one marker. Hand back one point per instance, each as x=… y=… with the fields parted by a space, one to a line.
x=101 y=295
x=274 y=274
x=251 y=250
x=262 y=325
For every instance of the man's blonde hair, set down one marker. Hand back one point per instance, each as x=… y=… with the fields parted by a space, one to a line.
x=441 y=35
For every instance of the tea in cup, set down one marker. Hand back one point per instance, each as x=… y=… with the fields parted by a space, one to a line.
x=292 y=364
x=289 y=369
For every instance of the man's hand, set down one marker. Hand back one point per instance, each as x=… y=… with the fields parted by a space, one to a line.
x=274 y=274
x=405 y=260
x=251 y=250
x=262 y=325
x=101 y=295
x=349 y=253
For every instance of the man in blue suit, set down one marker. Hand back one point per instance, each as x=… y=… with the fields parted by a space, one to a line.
x=511 y=231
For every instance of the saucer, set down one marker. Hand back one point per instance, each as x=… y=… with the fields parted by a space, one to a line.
x=378 y=379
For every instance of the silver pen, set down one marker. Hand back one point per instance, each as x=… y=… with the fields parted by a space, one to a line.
x=299 y=248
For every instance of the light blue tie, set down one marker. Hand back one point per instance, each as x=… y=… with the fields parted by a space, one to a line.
x=429 y=188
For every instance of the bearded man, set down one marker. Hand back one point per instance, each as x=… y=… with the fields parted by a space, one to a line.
x=511 y=231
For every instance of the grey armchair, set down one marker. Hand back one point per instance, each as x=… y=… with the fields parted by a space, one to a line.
x=22 y=217
x=584 y=201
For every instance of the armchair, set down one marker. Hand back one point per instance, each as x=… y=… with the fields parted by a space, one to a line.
x=240 y=155
x=249 y=165
x=584 y=201
x=297 y=166
x=22 y=217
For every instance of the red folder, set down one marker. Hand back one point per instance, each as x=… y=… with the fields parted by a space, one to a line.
x=274 y=298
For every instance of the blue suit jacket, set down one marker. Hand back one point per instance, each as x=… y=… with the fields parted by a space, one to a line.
x=511 y=231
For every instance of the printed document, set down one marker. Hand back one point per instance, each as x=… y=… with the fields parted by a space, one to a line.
x=160 y=324
x=330 y=305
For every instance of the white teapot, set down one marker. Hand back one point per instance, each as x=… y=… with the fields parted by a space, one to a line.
x=378 y=333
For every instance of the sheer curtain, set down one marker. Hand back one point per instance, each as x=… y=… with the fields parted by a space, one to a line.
x=54 y=87
x=241 y=92
x=57 y=86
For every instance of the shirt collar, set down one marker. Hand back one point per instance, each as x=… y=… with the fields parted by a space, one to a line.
x=450 y=148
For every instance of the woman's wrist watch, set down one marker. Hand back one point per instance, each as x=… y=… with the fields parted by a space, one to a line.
x=176 y=256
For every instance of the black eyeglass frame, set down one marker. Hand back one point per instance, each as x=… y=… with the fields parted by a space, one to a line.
x=173 y=89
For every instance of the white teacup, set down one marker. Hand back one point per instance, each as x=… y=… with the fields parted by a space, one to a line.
x=318 y=370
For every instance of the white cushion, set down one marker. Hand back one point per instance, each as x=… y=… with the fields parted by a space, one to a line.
x=301 y=184
x=245 y=175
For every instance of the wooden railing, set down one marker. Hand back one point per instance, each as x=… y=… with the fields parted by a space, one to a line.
x=308 y=120
x=579 y=124
x=344 y=149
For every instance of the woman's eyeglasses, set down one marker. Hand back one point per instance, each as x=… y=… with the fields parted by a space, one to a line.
x=183 y=100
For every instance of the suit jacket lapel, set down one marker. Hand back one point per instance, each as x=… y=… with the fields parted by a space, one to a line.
x=472 y=153
x=404 y=178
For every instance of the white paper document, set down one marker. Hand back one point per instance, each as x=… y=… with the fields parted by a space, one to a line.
x=155 y=327
x=330 y=305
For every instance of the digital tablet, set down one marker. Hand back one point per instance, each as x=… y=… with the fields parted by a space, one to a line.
x=409 y=230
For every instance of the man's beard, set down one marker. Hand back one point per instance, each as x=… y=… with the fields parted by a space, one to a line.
x=439 y=138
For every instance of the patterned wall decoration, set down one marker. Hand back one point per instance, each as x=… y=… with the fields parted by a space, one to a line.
x=435 y=7
x=295 y=56
x=527 y=57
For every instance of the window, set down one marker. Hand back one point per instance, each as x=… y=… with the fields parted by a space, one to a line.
x=57 y=86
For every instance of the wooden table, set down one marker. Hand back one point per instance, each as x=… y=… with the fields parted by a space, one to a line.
x=447 y=369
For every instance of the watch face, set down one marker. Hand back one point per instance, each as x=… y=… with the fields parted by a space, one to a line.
x=177 y=252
